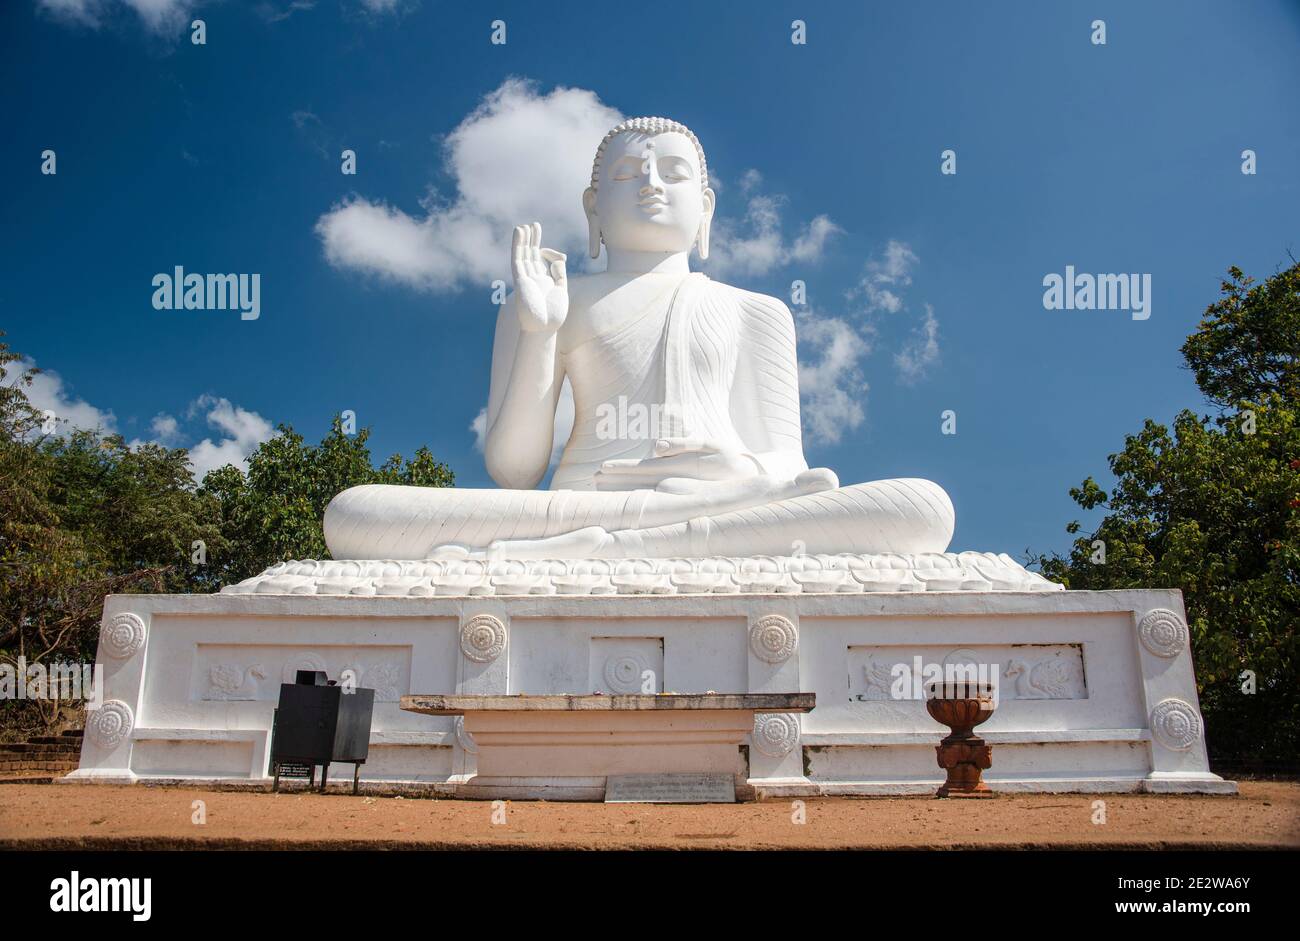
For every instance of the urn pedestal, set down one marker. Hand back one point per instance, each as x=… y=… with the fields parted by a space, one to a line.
x=962 y=754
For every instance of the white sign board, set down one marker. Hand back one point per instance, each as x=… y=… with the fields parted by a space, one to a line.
x=670 y=789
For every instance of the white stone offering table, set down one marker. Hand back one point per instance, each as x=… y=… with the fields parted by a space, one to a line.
x=567 y=747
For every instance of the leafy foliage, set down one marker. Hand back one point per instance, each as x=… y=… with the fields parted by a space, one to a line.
x=1245 y=349
x=84 y=515
x=1211 y=507
x=274 y=512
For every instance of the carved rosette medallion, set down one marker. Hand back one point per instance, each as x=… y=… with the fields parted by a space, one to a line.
x=1163 y=632
x=110 y=724
x=773 y=638
x=483 y=638
x=623 y=673
x=464 y=738
x=1175 y=724
x=124 y=636
x=775 y=733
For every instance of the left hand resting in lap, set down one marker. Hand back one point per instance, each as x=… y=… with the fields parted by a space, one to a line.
x=694 y=458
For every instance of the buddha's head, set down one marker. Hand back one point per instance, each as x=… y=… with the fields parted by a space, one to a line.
x=649 y=190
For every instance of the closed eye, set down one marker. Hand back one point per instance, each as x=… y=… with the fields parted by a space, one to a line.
x=675 y=169
x=671 y=169
x=627 y=168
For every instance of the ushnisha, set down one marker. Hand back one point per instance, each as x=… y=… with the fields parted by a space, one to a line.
x=723 y=474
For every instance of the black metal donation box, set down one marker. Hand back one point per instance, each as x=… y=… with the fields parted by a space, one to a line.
x=318 y=722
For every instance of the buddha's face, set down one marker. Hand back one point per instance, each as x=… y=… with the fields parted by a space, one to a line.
x=650 y=196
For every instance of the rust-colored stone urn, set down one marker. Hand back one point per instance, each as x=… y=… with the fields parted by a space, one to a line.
x=964 y=755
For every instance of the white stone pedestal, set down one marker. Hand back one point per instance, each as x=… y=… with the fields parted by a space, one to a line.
x=1097 y=691
x=565 y=747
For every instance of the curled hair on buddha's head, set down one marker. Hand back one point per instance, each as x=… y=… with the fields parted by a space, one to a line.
x=649 y=126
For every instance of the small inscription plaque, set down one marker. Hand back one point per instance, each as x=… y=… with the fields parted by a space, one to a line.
x=294 y=769
x=670 y=789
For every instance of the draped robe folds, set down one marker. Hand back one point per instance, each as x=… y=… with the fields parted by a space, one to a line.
x=703 y=360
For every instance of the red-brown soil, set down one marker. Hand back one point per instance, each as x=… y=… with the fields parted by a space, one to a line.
x=64 y=816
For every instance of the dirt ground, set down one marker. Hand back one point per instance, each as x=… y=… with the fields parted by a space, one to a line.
x=59 y=816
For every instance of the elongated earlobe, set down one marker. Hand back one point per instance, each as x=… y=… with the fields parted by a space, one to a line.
x=593 y=224
x=706 y=223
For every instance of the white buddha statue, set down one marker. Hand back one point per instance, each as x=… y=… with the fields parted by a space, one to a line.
x=719 y=468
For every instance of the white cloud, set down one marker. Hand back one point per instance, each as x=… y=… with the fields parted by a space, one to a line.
x=884 y=275
x=173 y=16
x=242 y=431
x=49 y=394
x=522 y=156
x=831 y=384
x=563 y=424
x=756 y=244
x=313 y=132
x=159 y=16
x=166 y=429
x=479 y=427
x=921 y=351
x=756 y=253
x=897 y=263
x=83 y=12
x=162 y=15
x=519 y=157
x=275 y=11
x=812 y=240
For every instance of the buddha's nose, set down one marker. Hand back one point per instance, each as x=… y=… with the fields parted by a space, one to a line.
x=653 y=183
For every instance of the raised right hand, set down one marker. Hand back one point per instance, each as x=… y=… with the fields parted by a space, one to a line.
x=541 y=286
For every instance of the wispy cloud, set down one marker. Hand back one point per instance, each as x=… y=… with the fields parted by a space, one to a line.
x=884 y=275
x=756 y=243
x=172 y=16
x=158 y=16
x=240 y=430
x=921 y=352
x=831 y=384
x=833 y=350
x=812 y=239
x=166 y=429
x=276 y=11
x=312 y=130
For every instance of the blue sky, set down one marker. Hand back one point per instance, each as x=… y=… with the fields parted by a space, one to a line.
x=924 y=290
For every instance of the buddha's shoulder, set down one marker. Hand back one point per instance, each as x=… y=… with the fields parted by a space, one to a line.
x=762 y=307
x=753 y=298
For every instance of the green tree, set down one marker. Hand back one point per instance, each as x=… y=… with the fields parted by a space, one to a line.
x=273 y=513
x=135 y=509
x=84 y=515
x=1210 y=507
x=67 y=536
